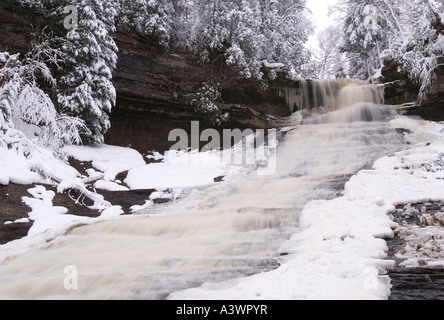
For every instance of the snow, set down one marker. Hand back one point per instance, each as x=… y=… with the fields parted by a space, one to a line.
x=274 y=65
x=15 y=169
x=147 y=204
x=156 y=156
x=178 y=170
x=38 y=167
x=157 y=176
x=340 y=252
x=45 y=215
x=109 y=186
x=110 y=160
x=112 y=212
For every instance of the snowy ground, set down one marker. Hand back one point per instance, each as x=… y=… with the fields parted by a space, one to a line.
x=172 y=174
x=340 y=252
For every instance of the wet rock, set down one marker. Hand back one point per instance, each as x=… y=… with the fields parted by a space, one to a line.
x=419 y=239
x=417 y=284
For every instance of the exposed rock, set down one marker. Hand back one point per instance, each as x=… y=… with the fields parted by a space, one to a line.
x=398 y=89
x=13 y=209
x=419 y=238
x=401 y=90
x=154 y=87
x=433 y=106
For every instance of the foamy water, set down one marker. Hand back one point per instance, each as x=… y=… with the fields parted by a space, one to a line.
x=219 y=233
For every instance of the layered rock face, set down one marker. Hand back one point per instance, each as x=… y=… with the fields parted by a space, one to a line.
x=433 y=106
x=155 y=88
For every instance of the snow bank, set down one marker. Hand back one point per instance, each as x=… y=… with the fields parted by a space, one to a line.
x=39 y=167
x=180 y=170
x=15 y=169
x=44 y=214
x=110 y=160
x=340 y=251
x=177 y=169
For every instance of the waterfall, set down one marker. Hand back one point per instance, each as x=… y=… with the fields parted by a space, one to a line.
x=331 y=94
x=224 y=232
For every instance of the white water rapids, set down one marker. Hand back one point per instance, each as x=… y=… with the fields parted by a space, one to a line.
x=223 y=232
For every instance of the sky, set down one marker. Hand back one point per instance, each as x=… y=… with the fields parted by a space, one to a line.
x=320 y=9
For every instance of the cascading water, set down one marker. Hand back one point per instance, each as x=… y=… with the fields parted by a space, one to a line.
x=223 y=232
x=331 y=94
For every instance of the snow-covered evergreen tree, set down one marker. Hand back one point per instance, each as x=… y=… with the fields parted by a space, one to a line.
x=148 y=18
x=364 y=35
x=85 y=89
x=419 y=46
x=250 y=34
x=405 y=32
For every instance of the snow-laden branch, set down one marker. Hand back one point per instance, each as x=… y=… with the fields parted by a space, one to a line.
x=99 y=202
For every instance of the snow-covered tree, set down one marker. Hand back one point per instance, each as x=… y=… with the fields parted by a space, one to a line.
x=205 y=103
x=250 y=34
x=419 y=45
x=364 y=36
x=147 y=18
x=405 y=32
x=332 y=62
x=26 y=110
x=85 y=88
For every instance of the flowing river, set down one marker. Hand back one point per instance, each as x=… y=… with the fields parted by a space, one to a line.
x=223 y=232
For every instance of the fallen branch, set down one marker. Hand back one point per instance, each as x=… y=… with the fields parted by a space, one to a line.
x=80 y=185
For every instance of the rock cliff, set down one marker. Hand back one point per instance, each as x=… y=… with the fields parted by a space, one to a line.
x=154 y=88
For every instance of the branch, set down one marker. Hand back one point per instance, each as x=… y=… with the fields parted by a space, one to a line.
x=99 y=201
